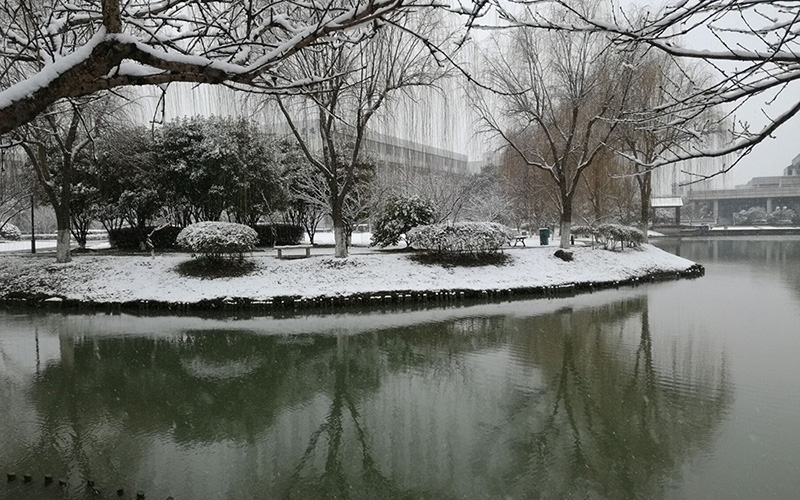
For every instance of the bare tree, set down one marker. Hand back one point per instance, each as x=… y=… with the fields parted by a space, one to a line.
x=751 y=47
x=53 y=49
x=563 y=90
x=15 y=186
x=358 y=80
x=489 y=202
x=605 y=189
x=530 y=190
x=53 y=143
x=645 y=137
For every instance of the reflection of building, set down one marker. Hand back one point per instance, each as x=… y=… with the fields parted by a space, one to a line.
x=766 y=192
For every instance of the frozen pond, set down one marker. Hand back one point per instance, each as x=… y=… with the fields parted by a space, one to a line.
x=685 y=389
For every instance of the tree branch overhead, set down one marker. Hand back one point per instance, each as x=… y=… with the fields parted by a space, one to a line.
x=83 y=47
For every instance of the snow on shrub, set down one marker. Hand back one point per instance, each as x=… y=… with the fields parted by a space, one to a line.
x=782 y=215
x=215 y=239
x=398 y=216
x=471 y=237
x=753 y=215
x=610 y=234
x=10 y=232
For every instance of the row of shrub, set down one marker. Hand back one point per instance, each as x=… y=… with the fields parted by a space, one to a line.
x=128 y=237
x=165 y=237
x=462 y=237
x=759 y=215
x=609 y=235
x=278 y=234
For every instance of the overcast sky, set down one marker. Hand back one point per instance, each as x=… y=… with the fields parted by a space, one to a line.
x=773 y=155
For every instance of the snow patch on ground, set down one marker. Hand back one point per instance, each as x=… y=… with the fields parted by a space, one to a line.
x=104 y=278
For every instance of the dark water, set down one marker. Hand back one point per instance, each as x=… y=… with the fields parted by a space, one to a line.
x=686 y=389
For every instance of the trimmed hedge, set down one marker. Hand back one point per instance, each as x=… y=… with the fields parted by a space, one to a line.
x=278 y=234
x=127 y=238
x=611 y=234
x=215 y=239
x=268 y=235
x=461 y=237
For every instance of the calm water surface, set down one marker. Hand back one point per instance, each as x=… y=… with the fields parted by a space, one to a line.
x=686 y=389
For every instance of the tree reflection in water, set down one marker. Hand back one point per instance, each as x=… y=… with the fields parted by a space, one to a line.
x=612 y=423
x=573 y=403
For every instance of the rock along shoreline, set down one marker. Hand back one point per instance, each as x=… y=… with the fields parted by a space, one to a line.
x=287 y=303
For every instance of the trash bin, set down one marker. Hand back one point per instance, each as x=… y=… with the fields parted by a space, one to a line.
x=544 y=235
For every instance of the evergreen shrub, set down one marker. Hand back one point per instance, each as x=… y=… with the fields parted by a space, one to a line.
x=278 y=234
x=127 y=238
x=398 y=216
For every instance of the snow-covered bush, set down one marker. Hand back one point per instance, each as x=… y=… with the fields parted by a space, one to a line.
x=782 y=216
x=752 y=215
x=471 y=237
x=610 y=234
x=217 y=239
x=398 y=216
x=10 y=232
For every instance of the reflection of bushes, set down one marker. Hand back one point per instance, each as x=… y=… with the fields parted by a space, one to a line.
x=146 y=383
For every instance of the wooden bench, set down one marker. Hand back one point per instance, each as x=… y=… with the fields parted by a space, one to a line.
x=281 y=248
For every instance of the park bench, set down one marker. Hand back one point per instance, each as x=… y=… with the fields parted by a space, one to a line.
x=281 y=248
x=519 y=238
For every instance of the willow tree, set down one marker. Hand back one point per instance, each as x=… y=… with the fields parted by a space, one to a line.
x=557 y=99
x=750 y=48
x=648 y=135
x=357 y=81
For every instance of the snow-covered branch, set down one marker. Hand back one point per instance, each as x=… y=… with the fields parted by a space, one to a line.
x=49 y=51
x=750 y=47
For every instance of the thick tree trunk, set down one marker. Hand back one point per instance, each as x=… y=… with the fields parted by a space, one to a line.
x=339 y=233
x=645 y=191
x=62 y=235
x=340 y=239
x=566 y=226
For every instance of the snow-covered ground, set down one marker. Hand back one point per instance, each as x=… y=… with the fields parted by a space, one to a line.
x=43 y=245
x=105 y=278
x=23 y=245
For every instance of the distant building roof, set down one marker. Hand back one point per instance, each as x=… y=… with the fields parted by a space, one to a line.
x=667 y=202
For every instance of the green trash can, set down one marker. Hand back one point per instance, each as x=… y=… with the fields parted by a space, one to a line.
x=544 y=235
